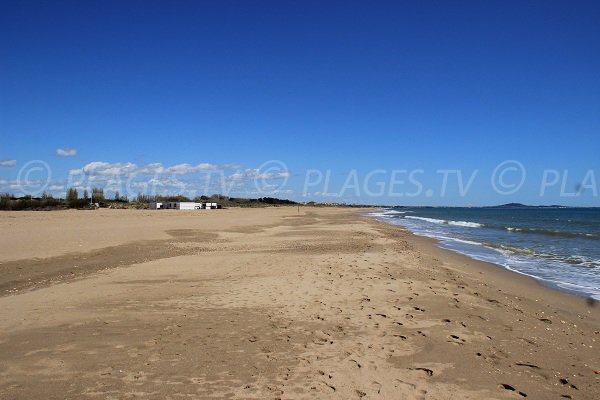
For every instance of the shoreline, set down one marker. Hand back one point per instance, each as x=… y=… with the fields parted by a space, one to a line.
x=276 y=303
x=556 y=286
x=432 y=246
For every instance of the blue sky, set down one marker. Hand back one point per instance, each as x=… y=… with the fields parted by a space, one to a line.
x=214 y=91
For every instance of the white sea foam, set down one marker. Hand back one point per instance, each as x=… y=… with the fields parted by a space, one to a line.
x=386 y=213
x=432 y=220
x=465 y=223
x=376 y=214
x=443 y=221
x=459 y=240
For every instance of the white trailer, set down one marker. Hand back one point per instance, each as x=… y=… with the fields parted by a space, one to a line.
x=155 y=205
x=182 y=205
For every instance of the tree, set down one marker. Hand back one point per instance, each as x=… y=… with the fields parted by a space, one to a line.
x=86 y=196
x=6 y=201
x=97 y=195
x=72 y=197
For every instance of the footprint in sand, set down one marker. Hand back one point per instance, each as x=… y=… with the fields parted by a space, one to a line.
x=454 y=339
x=322 y=373
x=427 y=371
x=566 y=382
x=411 y=385
x=512 y=389
x=376 y=387
x=330 y=386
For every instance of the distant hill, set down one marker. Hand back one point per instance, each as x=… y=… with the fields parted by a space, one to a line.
x=519 y=205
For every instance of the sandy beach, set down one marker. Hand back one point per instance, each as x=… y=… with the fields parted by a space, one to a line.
x=274 y=303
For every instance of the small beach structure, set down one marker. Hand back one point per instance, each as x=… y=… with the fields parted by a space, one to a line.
x=182 y=205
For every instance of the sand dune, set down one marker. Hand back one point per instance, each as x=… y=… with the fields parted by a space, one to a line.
x=274 y=303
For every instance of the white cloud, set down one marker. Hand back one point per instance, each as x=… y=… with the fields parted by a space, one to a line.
x=101 y=168
x=254 y=173
x=66 y=152
x=151 y=169
x=110 y=169
x=184 y=169
x=8 y=163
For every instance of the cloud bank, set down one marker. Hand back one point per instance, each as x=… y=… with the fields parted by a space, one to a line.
x=156 y=178
x=186 y=178
x=101 y=168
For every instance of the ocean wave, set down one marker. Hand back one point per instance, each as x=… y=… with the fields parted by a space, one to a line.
x=561 y=258
x=554 y=232
x=511 y=249
x=582 y=261
x=467 y=224
x=453 y=239
x=386 y=213
x=432 y=220
x=447 y=222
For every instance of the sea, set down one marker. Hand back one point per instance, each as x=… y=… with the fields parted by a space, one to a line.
x=560 y=247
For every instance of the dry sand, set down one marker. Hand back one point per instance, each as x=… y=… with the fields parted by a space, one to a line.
x=272 y=303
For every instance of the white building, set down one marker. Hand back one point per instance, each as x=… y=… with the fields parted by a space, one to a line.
x=182 y=205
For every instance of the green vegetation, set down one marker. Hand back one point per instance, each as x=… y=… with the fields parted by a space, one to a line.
x=45 y=202
x=74 y=200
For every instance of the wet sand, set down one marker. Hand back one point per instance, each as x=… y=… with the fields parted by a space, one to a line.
x=272 y=303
